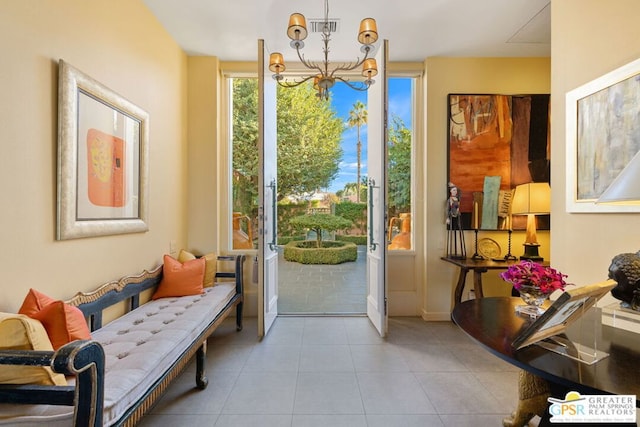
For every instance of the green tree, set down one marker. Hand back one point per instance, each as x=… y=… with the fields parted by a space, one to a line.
x=358 y=118
x=309 y=135
x=399 y=171
x=245 y=143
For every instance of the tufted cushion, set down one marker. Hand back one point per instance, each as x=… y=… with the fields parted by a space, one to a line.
x=63 y=322
x=210 y=269
x=20 y=332
x=180 y=279
x=140 y=345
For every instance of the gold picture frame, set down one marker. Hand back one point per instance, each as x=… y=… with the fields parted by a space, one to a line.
x=102 y=159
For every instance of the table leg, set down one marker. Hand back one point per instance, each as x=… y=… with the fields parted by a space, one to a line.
x=477 y=281
x=462 y=277
x=533 y=392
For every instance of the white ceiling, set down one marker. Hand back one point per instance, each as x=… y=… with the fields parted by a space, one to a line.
x=416 y=29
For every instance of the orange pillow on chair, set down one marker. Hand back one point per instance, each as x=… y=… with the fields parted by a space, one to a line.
x=180 y=279
x=63 y=322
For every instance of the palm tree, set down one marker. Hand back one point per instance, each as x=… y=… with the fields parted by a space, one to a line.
x=357 y=118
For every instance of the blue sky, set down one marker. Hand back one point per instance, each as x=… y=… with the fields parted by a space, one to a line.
x=342 y=100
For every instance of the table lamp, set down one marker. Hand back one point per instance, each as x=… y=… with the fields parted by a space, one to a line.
x=531 y=199
x=625 y=189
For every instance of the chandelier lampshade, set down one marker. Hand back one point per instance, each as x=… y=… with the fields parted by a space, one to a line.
x=368 y=33
x=297 y=30
x=276 y=63
x=370 y=68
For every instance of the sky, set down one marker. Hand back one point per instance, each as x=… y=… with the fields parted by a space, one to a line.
x=342 y=100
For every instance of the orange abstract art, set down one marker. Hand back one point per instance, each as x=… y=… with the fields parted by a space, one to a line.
x=105 y=160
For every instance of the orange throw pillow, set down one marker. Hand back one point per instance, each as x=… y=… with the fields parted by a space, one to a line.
x=63 y=322
x=34 y=302
x=180 y=279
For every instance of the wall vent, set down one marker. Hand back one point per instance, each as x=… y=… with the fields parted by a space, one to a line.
x=317 y=25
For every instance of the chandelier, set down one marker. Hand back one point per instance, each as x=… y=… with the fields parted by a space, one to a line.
x=324 y=76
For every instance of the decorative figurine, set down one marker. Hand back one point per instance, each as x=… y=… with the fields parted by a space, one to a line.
x=625 y=270
x=455 y=235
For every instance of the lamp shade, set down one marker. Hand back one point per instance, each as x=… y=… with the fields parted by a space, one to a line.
x=625 y=189
x=369 y=68
x=531 y=198
x=276 y=63
x=297 y=29
x=368 y=33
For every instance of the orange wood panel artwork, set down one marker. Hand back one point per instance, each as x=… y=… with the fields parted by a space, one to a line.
x=480 y=143
x=105 y=165
x=496 y=135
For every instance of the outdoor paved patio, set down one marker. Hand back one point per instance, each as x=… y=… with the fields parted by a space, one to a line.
x=322 y=289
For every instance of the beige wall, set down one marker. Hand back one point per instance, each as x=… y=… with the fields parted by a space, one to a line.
x=590 y=38
x=204 y=123
x=121 y=45
x=465 y=75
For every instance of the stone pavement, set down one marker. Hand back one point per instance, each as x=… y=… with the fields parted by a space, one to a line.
x=322 y=289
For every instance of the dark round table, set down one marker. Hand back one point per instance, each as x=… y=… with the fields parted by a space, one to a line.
x=493 y=323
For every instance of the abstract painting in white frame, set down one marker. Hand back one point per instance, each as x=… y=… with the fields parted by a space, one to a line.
x=603 y=135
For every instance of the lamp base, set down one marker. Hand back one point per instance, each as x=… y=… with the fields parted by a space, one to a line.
x=531 y=252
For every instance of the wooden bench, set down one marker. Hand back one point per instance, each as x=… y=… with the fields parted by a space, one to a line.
x=129 y=362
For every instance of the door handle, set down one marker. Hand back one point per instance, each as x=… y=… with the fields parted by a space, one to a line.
x=372 y=243
x=274 y=216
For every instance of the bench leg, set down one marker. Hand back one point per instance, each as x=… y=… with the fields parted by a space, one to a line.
x=201 y=377
x=239 y=316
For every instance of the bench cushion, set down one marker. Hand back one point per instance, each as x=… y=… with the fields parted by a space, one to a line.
x=139 y=347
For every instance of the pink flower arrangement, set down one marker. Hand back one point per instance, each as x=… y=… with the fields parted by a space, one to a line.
x=529 y=273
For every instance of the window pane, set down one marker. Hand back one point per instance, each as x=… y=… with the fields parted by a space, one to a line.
x=399 y=168
x=244 y=138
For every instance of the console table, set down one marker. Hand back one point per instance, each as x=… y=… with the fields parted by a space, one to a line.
x=478 y=267
x=492 y=322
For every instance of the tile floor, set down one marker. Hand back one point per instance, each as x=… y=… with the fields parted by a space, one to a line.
x=337 y=371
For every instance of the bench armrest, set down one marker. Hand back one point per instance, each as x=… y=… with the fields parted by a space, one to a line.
x=82 y=359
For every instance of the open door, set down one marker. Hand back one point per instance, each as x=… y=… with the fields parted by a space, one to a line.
x=377 y=196
x=267 y=194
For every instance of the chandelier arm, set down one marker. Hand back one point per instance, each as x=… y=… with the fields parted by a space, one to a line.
x=348 y=66
x=294 y=83
x=361 y=86
x=309 y=64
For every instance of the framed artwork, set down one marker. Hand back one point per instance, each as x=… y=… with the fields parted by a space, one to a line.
x=495 y=143
x=603 y=135
x=102 y=159
x=569 y=306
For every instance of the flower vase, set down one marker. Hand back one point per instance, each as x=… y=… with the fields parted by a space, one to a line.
x=533 y=297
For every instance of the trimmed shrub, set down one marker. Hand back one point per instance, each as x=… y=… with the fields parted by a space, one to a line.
x=283 y=240
x=331 y=252
x=357 y=239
